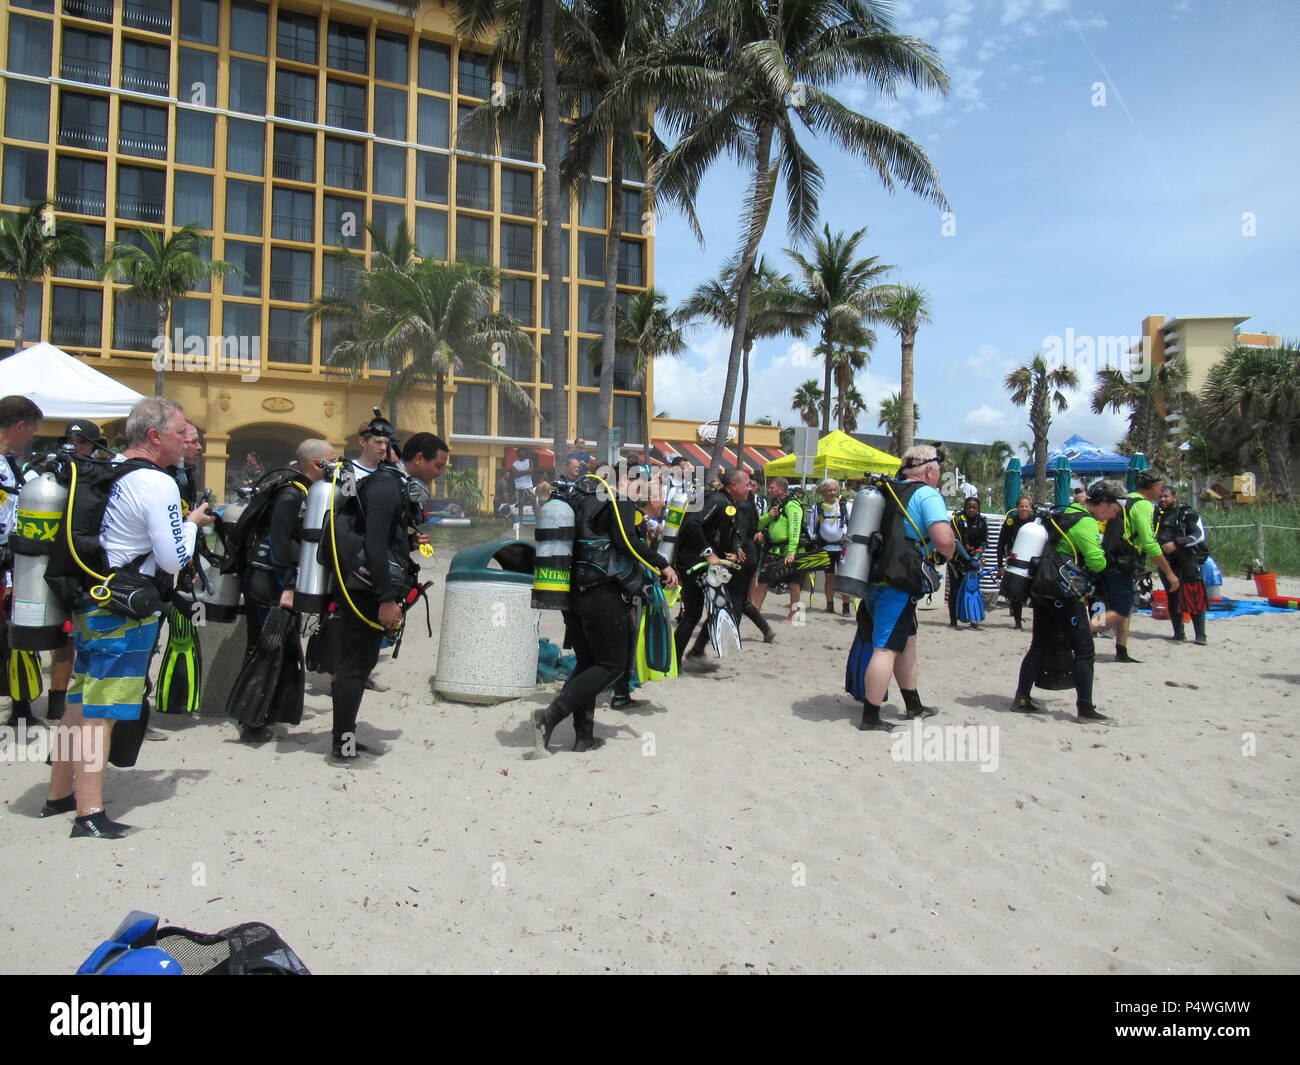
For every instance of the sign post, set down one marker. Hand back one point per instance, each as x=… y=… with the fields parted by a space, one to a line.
x=805 y=451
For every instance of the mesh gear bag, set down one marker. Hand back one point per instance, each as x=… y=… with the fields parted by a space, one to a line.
x=252 y=949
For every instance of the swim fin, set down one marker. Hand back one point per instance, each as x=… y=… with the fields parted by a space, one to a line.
x=970 y=600
x=723 y=630
x=180 y=677
x=855 y=669
x=656 y=650
x=23 y=673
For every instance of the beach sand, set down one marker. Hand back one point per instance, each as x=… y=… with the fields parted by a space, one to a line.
x=738 y=823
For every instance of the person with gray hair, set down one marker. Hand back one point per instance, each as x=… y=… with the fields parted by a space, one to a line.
x=828 y=525
x=152 y=414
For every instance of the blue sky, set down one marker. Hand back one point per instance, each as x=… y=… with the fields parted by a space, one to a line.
x=1069 y=215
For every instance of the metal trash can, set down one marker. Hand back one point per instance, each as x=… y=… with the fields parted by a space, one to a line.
x=487 y=646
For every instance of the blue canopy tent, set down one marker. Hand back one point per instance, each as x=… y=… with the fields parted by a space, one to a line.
x=1087 y=460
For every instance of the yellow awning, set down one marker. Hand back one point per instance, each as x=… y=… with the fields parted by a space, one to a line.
x=839 y=456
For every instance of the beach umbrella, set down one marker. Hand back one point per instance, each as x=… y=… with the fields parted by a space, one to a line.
x=1061 y=475
x=1011 y=484
x=1135 y=465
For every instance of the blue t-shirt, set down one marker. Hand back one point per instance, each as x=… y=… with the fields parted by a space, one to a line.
x=925 y=508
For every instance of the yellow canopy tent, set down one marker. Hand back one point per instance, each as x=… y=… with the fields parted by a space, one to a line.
x=838 y=455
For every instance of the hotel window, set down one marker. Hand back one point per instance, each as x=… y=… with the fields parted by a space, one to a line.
x=470 y=410
x=435 y=66
x=248 y=259
x=142 y=130
x=347 y=48
x=135 y=323
x=390 y=171
x=591 y=257
x=83 y=121
x=344 y=222
x=588 y=415
x=46 y=6
x=31 y=319
x=152 y=15
x=591 y=308
x=392 y=58
x=627 y=416
x=146 y=67
x=633 y=209
x=292 y=214
x=77 y=317
x=30 y=44
x=245 y=147
x=95 y=238
x=195 y=138
x=473 y=240
x=517 y=246
x=345 y=105
x=198 y=77
x=517 y=196
x=633 y=168
x=592 y=212
x=141 y=193
x=86 y=57
x=345 y=164
x=430 y=177
x=242 y=324
x=297 y=37
x=431 y=233
x=474 y=75
x=432 y=122
x=295 y=96
x=513 y=418
x=27 y=112
x=24 y=176
x=517 y=300
x=290 y=337
x=546 y=307
x=243 y=207
x=248 y=86
x=631 y=262
x=479 y=137
x=79 y=185
x=295 y=155
x=473 y=185
x=564 y=254
x=387 y=218
x=199 y=21
x=191 y=318
x=248 y=26
x=519 y=144
x=390 y=113
x=98 y=10
x=338 y=277
x=192 y=202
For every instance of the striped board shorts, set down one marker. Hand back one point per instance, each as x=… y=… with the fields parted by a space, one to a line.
x=112 y=663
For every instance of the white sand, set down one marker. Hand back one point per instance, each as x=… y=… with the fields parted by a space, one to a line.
x=452 y=851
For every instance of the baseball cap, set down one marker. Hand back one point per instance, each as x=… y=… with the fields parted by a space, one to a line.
x=87 y=431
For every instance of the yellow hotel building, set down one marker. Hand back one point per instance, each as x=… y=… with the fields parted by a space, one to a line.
x=280 y=127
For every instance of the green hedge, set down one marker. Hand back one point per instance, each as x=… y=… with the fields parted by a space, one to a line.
x=1234 y=548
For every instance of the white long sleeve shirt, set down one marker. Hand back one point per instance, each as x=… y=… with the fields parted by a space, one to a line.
x=144 y=516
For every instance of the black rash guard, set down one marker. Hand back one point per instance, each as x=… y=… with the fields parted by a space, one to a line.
x=381 y=499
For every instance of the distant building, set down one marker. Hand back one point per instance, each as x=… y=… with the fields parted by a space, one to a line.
x=1200 y=342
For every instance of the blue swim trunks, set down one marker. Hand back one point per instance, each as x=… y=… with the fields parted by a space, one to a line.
x=888 y=619
x=112 y=663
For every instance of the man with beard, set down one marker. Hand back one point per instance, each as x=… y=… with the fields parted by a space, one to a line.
x=1181 y=535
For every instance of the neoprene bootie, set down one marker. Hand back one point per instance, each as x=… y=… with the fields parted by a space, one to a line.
x=912 y=702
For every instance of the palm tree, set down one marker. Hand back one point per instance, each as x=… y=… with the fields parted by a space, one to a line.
x=992 y=461
x=906 y=308
x=1036 y=385
x=735 y=80
x=1252 y=399
x=1147 y=402
x=807 y=401
x=890 y=419
x=848 y=357
x=30 y=249
x=839 y=290
x=849 y=404
x=423 y=320
x=775 y=311
x=650 y=331
x=162 y=270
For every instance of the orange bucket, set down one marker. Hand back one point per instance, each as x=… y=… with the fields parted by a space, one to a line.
x=1266 y=585
x=1160 y=605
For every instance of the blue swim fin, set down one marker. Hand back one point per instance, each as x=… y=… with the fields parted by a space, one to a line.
x=970 y=600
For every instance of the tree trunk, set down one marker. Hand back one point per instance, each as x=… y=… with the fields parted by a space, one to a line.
x=907 y=412
x=20 y=313
x=828 y=353
x=1278 y=442
x=764 y=186
x=608 y=342
x=164 y=312
x=744 y=403
x=440 y=398
x=1040 y=425
x=557 y=345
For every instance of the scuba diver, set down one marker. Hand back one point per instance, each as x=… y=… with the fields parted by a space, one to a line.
x=710 y=534
x=972 y=531
x=365 y=615
x=1011 y=524
x=782 y=528
x=611 y=563
x=19 y=420
x=1181 y=535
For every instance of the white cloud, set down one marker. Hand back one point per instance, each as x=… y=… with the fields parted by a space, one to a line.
x=986 y=417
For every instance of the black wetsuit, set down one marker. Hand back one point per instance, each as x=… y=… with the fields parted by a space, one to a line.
x=717 y=524
x=972 y=534
x=262 y=589
x=738 y=586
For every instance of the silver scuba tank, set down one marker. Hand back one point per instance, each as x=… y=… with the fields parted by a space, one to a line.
x=315 y=583
x=39 y=621
x=676 y=500
x=553 y=562
x=1026 y=550
x=860 y=540
x=219 y=599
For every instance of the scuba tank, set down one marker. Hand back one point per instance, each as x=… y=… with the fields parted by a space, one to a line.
x=219 y=592
x=38 y=616
x=553 y=562
x=315 y=580
x=861 y=542
x=1027 y=548
x=676 y=500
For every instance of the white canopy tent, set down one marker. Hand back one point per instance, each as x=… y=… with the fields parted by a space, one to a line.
x=63 y=387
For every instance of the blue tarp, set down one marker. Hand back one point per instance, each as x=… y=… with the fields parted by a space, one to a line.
x=1086 y=459
x=1237 y=608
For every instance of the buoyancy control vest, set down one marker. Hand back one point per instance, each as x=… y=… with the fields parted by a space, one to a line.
x=903 y=563
x=1116 y=541
x=349 y=534
x=598 y=554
